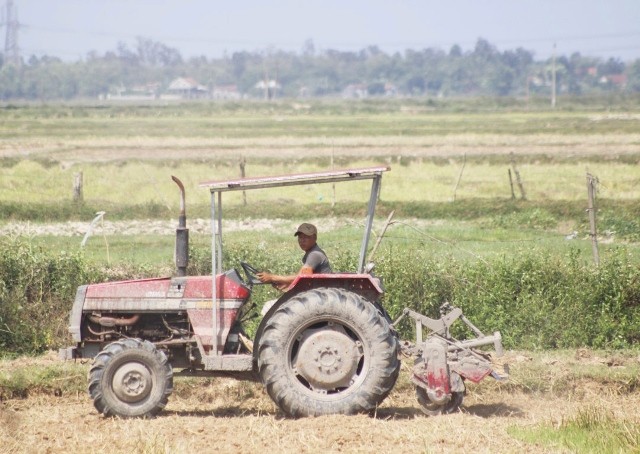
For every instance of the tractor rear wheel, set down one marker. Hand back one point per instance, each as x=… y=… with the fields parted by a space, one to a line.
x=130 y=378
x=328 y=351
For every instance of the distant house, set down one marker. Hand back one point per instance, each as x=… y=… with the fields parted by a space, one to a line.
x=225 y=92
x=357 y=91
x=616 y=80
x=142 y=92
x=185 y=88
x=268 y=88
x=390 y=90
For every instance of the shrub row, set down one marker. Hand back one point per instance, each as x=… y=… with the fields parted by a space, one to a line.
x=35 y=289
x=537 y=300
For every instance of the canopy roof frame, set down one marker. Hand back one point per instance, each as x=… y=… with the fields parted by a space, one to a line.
x=242 y=184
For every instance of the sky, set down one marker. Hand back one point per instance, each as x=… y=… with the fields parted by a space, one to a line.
x=70 y=29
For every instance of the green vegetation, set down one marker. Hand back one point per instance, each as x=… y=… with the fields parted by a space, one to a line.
x=34 y=377
x=318 y=120
x=538 y=300
x=591 y=430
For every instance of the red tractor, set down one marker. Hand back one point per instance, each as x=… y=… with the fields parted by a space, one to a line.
x=325 y=346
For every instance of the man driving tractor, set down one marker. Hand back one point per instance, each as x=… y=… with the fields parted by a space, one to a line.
x=313 y=261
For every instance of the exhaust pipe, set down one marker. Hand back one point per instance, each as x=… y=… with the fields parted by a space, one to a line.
x=182 y=234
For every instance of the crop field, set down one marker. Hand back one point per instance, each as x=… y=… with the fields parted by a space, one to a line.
x=461 y=218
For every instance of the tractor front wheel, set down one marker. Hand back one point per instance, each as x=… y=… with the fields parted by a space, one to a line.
x=328 y=351
x=130 y=378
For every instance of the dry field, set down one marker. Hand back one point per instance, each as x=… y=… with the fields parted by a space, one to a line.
x=72 y=151
x=225 y=415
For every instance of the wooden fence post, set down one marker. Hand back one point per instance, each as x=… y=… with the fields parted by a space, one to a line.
x=78 y=196
x=513 y=194
x=333 y=185
x=523 y=195
x=455 y=189
x=243 y=163
x=591 y=191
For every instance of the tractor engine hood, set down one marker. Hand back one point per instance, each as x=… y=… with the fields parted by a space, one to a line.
x=157 y=295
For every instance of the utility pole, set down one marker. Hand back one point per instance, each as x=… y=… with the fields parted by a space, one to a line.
x=10 y=20
x=553 y=78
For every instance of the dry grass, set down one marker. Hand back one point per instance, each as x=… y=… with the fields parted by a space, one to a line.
x=100 y=149
x=224 y=415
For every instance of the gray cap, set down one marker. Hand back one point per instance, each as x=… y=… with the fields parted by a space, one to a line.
x=307 y=229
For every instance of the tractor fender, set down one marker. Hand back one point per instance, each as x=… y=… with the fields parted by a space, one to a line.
x=75 y=319
x=366 y=285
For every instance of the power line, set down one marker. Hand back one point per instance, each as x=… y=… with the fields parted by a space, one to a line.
x=416 y=44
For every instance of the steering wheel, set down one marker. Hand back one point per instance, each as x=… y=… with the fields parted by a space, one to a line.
x=251 y=272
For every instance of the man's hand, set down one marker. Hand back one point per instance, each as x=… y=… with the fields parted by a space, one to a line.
x=282 y=282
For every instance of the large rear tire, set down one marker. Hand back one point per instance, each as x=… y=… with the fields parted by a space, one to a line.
x=130 y=378
x=328 y=351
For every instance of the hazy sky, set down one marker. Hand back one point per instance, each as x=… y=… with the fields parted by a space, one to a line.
x=71 y=28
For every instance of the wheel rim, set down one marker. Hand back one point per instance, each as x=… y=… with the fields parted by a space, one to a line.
x=327 y=358
x=132 y=382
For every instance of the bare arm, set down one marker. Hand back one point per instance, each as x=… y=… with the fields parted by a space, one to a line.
x=282 y=282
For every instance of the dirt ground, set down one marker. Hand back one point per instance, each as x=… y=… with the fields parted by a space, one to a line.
x=230 y=416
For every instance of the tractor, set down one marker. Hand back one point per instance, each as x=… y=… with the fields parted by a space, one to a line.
x=325 y=346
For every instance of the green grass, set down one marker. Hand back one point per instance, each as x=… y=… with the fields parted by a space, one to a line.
x=137 y=182
x=329 y=118
x=591 y=430
x=460 y=240
x=35 y=377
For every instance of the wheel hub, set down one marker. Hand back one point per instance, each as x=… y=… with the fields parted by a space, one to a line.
x=132 y=382
x=327 y=358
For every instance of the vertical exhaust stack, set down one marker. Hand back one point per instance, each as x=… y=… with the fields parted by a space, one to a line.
x=182 y=234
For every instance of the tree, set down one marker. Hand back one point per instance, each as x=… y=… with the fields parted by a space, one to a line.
x=308 y=48
x=153 y=53
x=633 y=74
x=455 y=51
x=10 y=86
x=482 y=71
x=484 y=51
x=611 y=66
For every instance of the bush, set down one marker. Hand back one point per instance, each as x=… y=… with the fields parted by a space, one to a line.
x=36 y=292
x=537 y=300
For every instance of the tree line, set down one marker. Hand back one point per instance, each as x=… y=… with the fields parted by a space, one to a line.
x=151 y=66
